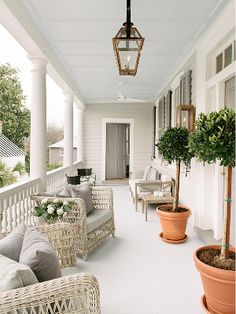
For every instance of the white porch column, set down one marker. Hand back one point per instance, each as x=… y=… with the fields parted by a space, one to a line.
x=68 y=131
x=38 y=121
x=80 y=136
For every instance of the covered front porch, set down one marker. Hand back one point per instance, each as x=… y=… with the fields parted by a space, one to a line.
x=137 y=272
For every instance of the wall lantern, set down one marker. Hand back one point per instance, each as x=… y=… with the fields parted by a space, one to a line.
x=127 y=45
x=186 y=116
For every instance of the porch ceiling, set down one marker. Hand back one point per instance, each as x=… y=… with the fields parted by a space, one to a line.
x=80 y=34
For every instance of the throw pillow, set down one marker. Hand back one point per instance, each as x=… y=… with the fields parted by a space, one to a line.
x=14 y=275
x=164 y=178
x=52 y=192
x=64 y=193
x=83 y=191
x=146 y=171
x=153 y=174
x=11 y=245
x=40 y=256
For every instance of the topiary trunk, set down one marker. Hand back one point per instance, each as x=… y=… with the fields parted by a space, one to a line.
x=227 y=213
x=177 y=178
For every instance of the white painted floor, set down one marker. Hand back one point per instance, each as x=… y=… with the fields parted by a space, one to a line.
x=140 y=274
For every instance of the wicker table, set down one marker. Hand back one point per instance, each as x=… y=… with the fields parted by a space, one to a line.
x=151 y=199
x=61 y=235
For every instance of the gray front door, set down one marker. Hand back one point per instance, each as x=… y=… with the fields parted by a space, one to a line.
x=115 y=151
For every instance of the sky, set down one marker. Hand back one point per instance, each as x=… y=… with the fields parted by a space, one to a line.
x=11 y=52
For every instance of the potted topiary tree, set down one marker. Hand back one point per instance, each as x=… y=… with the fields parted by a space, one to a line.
x=214 y=140
x=173 y=146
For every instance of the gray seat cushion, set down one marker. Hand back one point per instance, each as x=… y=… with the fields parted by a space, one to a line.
x=14 y=275
x=97 y=218
x=40 y=256
x=11 y=245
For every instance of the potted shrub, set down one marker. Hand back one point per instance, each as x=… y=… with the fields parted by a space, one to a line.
x=214 y=140
x=173 y=146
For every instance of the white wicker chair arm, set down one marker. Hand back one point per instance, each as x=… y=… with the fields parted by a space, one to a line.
x=148 y=182
x=71 y=294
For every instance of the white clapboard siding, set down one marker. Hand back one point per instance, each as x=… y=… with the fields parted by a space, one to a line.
x=143 y=132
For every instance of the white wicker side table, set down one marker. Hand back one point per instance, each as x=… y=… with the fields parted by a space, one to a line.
x=151 y=199
x=62 y=237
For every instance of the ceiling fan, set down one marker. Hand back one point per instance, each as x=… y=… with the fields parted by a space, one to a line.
x=121 y=98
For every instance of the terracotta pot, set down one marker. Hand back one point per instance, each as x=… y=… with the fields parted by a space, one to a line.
x=173 y=224
x=218 y=284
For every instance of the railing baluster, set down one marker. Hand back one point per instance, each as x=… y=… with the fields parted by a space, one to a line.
x=16 y=206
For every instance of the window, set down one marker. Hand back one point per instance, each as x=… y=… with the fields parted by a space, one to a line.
x=219 y=63
x=226 y=57
x=230 y=93
x=62 y=151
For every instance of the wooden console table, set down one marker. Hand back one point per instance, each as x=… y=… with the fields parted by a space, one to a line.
x=151 y=199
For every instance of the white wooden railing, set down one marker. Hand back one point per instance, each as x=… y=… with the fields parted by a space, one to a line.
x=16 y=206
x=57 y=178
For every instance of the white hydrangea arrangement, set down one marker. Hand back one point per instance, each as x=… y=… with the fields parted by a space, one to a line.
x=52 y=209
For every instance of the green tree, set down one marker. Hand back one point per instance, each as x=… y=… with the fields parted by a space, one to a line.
x=173 y=146
x=13 y=113
x=214 y=140
x=6 y=175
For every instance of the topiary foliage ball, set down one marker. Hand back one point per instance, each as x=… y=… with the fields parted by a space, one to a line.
x=214 y=137
x=173 y=145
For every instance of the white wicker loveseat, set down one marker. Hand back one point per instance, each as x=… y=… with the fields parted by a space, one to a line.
x=91 y=230
x=78 y=294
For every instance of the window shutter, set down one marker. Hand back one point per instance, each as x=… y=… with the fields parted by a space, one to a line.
x=168 y=103
x=186 y=88
x=161 y=116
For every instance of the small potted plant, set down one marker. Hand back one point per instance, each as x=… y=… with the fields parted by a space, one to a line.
x=173 y=146
x=214 y=140
x=51 y=210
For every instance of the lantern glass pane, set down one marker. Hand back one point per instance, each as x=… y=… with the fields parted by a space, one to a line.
x=184 y=118
x=128 y=52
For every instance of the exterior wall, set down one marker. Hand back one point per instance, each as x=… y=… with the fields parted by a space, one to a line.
x=143 y=132
x=10 y=162
x=202 y=190
x=54 y=155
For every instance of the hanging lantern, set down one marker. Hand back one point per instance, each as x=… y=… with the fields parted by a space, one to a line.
x=127 y=45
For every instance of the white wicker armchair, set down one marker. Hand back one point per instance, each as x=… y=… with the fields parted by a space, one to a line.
x=87 y=238
x=78 y=294
x=74 y=294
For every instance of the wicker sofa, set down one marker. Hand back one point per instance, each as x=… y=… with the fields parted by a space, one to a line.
x=91 y=230
x=77 y=293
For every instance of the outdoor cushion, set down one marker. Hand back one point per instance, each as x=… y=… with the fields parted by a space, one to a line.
x=164 y=178
x=53 y=193
x=152 y=174
x=97 y=218
x=146 y=172
x=83 y=191
x=11 y=245
x=40 y=256
x=65 y=192
x=14 y=275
